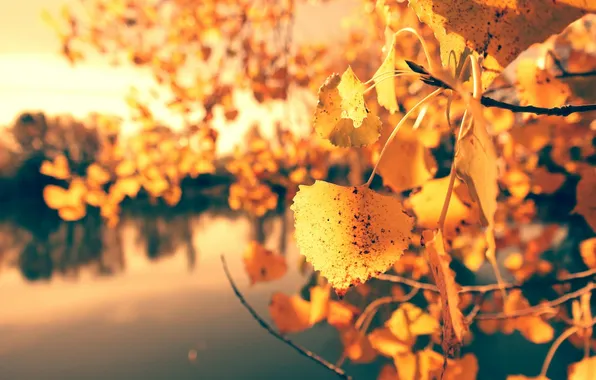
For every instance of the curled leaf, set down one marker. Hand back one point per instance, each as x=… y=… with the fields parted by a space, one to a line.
x=349 y=234
x=341 y=115
x=454 y=326
x=476 y=164
x=385 y=78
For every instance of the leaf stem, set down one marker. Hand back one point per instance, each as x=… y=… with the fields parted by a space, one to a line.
x=553 y=349
x=387 y=73
x=443 y=215
x=385 y=77
x=427 y=98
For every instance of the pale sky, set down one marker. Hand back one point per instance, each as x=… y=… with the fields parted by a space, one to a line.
x=34 y=76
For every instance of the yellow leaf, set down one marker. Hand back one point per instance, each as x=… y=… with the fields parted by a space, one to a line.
x=55 y=197
x=58 y=169
x=319 y=302
x=95 y=197
x=476 y=164
x=406 y=163
x=496 y=30
x=532 y=327
x=517 y=182
x=587 y=249
x=410 y=321
x=407 y=367
x=427 y=204
x=536 y=133
x=465 y=368
x=97 y=176
x=386 y=343
x=73 y=213
x=263 y=265
x=539 y=87
x=127 y=186
x=349 y=234
x=583 y=370
x=430 y=364
x=341 y=314
x=341 y=115
x=126 y=168
x=454 y=326
x=357 y=347
x=290 y=314
x=385 y=78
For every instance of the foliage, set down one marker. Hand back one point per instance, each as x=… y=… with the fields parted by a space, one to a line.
x=465 y=177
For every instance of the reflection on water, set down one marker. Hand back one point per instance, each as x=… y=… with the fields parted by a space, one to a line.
x=80 y=301
x=149 y=300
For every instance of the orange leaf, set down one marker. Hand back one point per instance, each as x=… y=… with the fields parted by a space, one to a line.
x=290 y=314
x=454 y=326
x=262 y=265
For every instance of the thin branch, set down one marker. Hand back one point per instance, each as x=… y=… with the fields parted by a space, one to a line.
x=555 y=346
x=539 y=309
x=574 y=277
x=311 y=355
x=565 y=110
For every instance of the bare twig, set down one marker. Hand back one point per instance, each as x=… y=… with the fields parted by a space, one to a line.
x=555 y=346
x=571 y=278
x=311 y=355
x=539 y=309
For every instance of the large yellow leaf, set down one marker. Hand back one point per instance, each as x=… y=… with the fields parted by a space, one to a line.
x=454 y=326
x=406 y=163
x=341 y=115
x=349 y=234
x=497 y=30
x=476 y=164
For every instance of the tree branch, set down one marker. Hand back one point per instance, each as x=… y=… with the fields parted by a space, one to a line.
x=309 y=354
x=565 y=110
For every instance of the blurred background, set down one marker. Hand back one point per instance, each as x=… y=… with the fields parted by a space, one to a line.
x=140 y=140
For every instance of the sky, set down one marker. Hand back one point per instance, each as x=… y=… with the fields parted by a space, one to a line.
x=34 y=76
